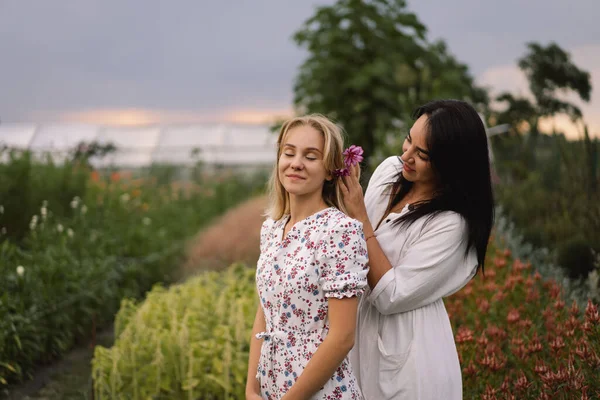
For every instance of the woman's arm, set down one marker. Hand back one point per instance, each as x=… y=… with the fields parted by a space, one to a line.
x=434 y=267
x=252 y=384
x=330 y=354
x=355 y=205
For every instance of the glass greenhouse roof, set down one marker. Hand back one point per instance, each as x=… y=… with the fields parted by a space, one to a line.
x=226 y=144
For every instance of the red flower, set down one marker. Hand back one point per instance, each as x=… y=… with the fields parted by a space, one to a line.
x=513 y=316
x=464 y=335
x=591 y=313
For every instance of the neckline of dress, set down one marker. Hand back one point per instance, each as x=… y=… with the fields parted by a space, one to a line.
x=284 y=220
x=393 y=214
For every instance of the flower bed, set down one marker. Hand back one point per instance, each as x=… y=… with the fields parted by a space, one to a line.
x=518 y=339
x=67 y=274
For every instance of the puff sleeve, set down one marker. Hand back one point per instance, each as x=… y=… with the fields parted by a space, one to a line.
x=342 y=259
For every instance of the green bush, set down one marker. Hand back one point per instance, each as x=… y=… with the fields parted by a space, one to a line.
x=577 y=258
x=557 y=199
x=188 y=341
x=26 y=182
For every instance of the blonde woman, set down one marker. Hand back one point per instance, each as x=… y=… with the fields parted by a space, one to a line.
x=311 y=270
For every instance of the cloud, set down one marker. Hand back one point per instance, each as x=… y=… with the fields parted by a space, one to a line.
x=140 y=116
x=200 y=59
x=509 y=78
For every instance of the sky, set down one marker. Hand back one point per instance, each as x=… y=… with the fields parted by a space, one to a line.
x=148 y=61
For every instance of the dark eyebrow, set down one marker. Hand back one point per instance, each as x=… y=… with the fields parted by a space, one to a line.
x=418 y=148
x=308 y=148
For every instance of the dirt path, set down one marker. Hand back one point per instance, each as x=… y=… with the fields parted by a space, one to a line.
x=66 y=379
x=233 y=237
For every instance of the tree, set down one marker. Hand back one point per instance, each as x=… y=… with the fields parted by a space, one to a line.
x=550 y=72
x=369 y=65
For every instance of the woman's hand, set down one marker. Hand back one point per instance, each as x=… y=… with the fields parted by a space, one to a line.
x=353 y=195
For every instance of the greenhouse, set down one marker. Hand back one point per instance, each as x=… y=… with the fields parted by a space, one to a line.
x=213 y=144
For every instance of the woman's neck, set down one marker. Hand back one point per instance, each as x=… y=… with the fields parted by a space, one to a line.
x=301 y=208
x=419 y=193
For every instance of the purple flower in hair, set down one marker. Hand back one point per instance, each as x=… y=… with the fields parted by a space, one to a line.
x=353 y=155
x=341 y=172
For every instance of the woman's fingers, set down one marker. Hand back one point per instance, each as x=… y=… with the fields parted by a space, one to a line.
x=344 y=186
x=353 y=178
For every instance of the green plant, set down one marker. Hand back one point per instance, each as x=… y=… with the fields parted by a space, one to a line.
x=77 y=260
x=188 y=341
x=576 y=257
x=26 y=182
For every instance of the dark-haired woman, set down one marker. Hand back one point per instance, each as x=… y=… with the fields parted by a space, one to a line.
x=427 y=217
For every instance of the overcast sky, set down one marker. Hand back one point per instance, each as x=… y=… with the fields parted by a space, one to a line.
x=137 y=61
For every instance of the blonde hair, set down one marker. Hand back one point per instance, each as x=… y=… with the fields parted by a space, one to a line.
x=279 y=198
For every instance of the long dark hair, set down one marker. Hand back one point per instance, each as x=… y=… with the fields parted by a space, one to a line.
x=458 y=152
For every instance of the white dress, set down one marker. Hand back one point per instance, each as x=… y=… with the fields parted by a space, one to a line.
x=405 y=345
x=322 y=256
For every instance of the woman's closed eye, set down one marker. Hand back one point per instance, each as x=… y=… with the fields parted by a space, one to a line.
x=422 y=155
x=309 y=157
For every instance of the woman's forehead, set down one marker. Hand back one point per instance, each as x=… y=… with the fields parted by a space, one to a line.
x=304 y=137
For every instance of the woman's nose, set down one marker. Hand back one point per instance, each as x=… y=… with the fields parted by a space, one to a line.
x=407 y=155
x=297 y=163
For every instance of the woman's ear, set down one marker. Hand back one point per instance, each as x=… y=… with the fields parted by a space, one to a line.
x=329 y=177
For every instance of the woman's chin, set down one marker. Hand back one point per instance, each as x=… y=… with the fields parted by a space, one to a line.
x=407 y=176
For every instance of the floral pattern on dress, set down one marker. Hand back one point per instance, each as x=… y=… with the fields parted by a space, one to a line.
x=322 y=256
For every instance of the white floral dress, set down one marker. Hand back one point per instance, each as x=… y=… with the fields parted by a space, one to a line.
x=322 y=256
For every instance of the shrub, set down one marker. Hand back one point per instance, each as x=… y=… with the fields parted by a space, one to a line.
x=576 y=257
x=554 y=199
x=188 y=341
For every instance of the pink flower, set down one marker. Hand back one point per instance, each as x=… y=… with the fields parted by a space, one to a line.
x=353 y=155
